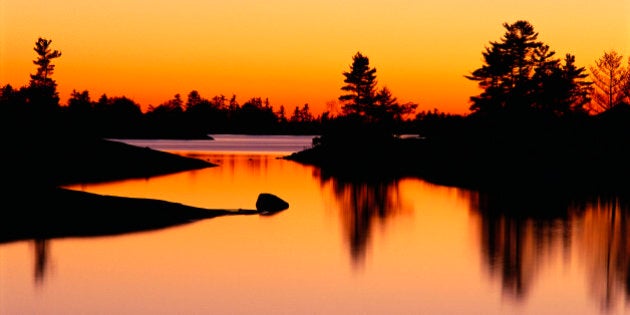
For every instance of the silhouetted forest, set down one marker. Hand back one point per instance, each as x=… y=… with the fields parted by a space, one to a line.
x=36 y=108
x=538 y=122
x=521 y=80
x=538 y=116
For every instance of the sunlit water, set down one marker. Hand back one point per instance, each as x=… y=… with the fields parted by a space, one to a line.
x=343 y=247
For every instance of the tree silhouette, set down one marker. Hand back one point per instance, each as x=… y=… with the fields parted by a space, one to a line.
x=193 y=99
x=364 y=100
x=626 y=88
x=11 y=99
x=611 y=79
x=282 y=116
x=368 y=115
x=302 y=115
x=233 y=105
x=45 y=67
x=522 y=74
x=388 y=109
x=575 y=92
x=360 y=85
x=559 y=88
x=80 y=102
x=509 y=65
x=42 y=89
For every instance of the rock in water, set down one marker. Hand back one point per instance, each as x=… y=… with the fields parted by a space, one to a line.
x=270 y=203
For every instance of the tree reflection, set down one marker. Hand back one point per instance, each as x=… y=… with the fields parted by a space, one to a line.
x=605 y=249
x=518 y=234
x=363 y=204
x=41 y=260
x=521 y=234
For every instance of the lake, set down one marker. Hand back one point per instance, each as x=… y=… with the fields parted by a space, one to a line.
x=344 y=246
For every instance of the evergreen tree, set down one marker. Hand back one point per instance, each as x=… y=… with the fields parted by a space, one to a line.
x=509 y=66
x=233 y=104
x=80 y=102
x=390 y=109
x=45 y=67
x=610 y=78
x=360 y=87
x=282 y=117
x=193 y=99
x=219 y=102
x=522 y=74
x=301 y=115
x=559 y=87
x=42 y=91
x=576 y=88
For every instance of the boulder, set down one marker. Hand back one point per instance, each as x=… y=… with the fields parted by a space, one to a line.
x=267 y=203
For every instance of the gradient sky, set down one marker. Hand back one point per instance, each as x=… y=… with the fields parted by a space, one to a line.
x=292 y=52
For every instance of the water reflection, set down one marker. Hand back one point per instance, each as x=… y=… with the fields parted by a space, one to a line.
x=363 y=205
x=522 y=234
x=254 y=165
x=41 y=260
x=415 y=243
x=605 y=248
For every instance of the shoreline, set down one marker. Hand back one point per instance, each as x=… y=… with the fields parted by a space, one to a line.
x=481 y=165
x=38 y=208
x=61 y=213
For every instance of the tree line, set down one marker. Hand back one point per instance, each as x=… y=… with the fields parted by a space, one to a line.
x=196 y=116
x=521 y=78
x=521 y=73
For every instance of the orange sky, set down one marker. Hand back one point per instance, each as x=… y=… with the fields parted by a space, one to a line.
x=292 y=52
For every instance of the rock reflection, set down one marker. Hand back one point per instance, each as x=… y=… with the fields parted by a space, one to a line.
x=521 y=234
x=363 y=204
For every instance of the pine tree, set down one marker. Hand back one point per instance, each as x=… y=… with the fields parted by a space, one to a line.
x=522 y=74
x=360 y=85
x=509 y=66
x=42 y=91
x=45 y=67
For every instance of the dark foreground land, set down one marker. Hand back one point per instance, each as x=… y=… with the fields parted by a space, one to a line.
x=34 y=207
x=576 y=156
x=565 y=157
x=55 y=212
x=517 y=165
x=62 y=160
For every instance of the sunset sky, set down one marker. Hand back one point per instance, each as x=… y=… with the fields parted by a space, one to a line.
x=292 y=52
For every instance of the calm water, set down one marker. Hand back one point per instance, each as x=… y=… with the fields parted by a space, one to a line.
x=343 y=247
